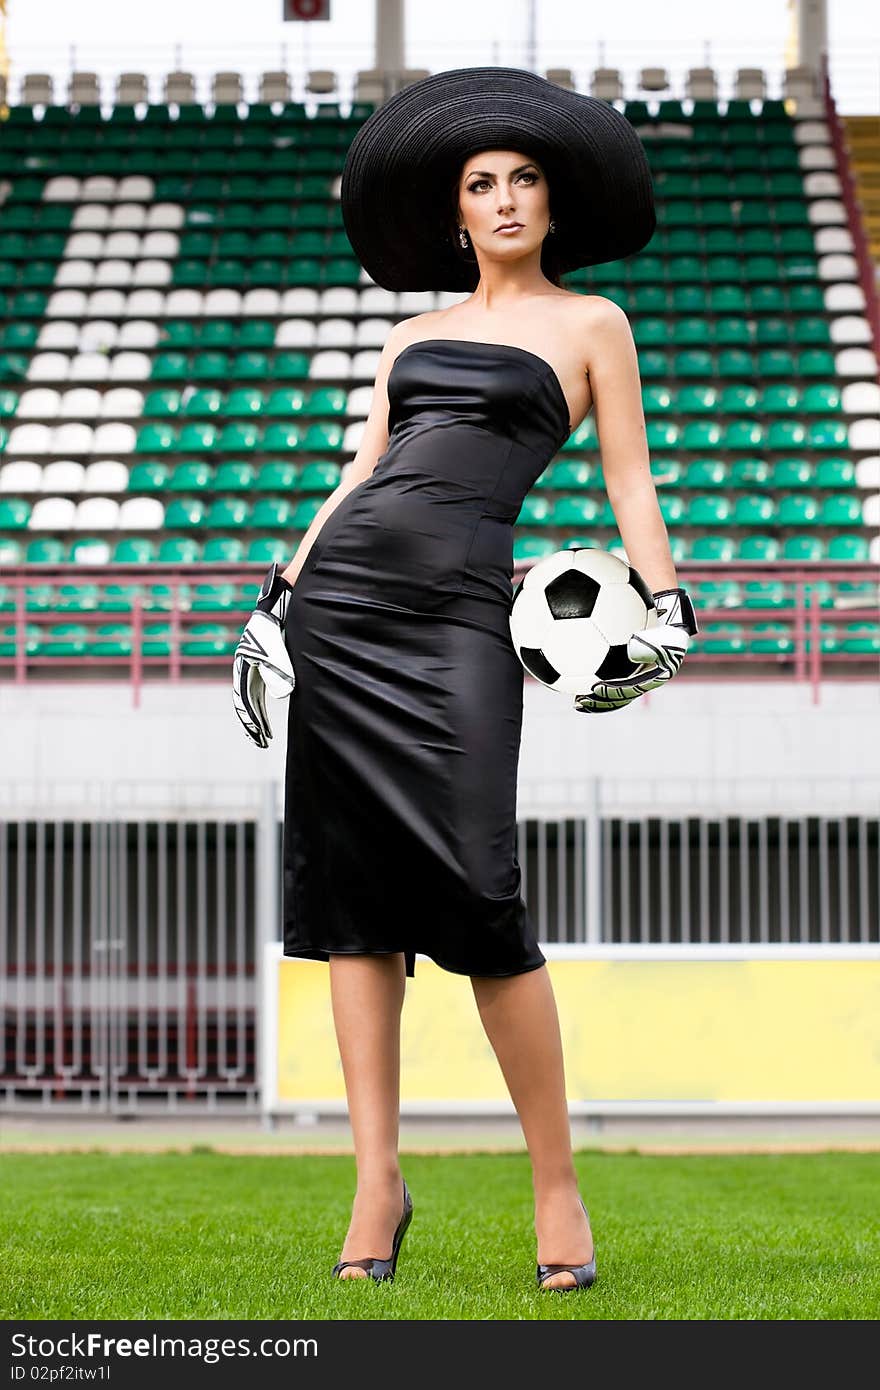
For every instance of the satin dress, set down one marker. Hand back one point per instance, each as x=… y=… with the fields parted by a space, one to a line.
x=405 y=721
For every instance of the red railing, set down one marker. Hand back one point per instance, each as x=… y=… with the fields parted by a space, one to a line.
x=803 y=616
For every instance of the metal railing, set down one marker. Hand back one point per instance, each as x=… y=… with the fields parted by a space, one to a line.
x=819 y=600
x=132 y=922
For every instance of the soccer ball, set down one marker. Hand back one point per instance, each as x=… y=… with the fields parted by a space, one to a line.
x=572 y=615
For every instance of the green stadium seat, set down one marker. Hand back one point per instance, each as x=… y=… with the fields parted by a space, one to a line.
x=273 y=513
x=792 y=473
x=569 y=475
x=14 y=513
x=44 y=550
x=210 y=366
x=762 y=593
x=749 y=472
x=197 y=437
x=178 y=333
x=290 y=366
x=279 y=437
x=111 y=639
x=63 y=639
x=253 y=366
x=267 y=550
x=672 y=508
x=827 y=434
x=706 y=473
x=193 y=476
x=763 y=549
x=735 y=362
x=134 y=550
x=656 y=400
x=208 y=639
x=536 y=511
x=203 y=403
x=149 y=475
x=216 y=333
x=306 y=511
x=285 y=402
x=319 y=477
x=223 y=550
x=782 y=399
x=798 y=509
x=712 y=548
x=752 y=509
x=277 y=476
x=239 y=437
x=848 y=548
x=180 y=550
x=161 y=404
x=816 y=362
x=323 y=436
x=802 y=548
x=245 y=401
x=184 y=512
x=256 y=333
x=840 y=509
x=776 y=362
x=170 y=366
x=228 y=513
x=786 y=434
x=695 y=362
x=708 y=510
x=235 y=475
x=326 y=400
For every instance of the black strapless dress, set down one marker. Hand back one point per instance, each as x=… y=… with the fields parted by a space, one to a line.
x=404 y=725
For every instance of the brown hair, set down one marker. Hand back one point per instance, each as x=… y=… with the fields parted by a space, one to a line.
x=549 y=256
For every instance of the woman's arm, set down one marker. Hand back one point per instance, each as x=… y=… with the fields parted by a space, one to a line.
x=373 y=443
x=623 y=443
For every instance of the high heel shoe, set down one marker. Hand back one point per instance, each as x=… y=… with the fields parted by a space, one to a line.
x=384 y=1269
x=584 y=1274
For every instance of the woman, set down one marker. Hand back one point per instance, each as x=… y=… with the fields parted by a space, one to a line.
x=392 y=619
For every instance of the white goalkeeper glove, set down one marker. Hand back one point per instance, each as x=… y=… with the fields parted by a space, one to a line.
x=262 y=662
x=663 y=646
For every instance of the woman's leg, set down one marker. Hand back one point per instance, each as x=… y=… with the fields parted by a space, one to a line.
x=519 y=1015
x=367 y=994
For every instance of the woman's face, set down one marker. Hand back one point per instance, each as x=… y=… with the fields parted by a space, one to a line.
x=498 y=186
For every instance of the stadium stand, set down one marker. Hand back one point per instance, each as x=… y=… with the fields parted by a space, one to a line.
x=187 y=345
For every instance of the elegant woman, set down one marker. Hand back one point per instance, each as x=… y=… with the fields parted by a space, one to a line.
x=390 y=625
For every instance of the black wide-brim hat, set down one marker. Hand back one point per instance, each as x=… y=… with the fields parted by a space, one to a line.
x=404 y=159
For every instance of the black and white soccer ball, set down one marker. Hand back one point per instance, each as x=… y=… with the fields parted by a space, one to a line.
x=571 y=617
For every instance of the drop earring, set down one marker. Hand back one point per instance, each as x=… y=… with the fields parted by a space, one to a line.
x=462 y=236
x=552 y=227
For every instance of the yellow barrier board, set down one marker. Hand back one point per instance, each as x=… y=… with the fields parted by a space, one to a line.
x=730 y=1030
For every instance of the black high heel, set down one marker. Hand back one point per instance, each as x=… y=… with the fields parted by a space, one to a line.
x=584 y=1274
x=384 y=1269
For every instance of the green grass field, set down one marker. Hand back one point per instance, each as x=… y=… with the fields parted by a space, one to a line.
x=203 y=1235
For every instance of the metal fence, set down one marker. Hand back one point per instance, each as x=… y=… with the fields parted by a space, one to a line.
x=131 y=933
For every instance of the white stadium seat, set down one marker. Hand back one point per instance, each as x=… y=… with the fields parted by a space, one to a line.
x=124 y=244
x=122 y=403
x=52 y=514
x=300 y=299
x=75 y=275
x=60 y=333
x=138 y=333
x=184 y=303
x=67 y=304
x=163 y=244
x=127 y=217
x=97 y=514
x=145 y=304
x=352 y=435
x=335 y=333
x=131 y=366
x=104 y=476
x=868 y=473
x=338 y=299
x=40 y=403
x=22 y=476
x=859 y=398
x=372 y=332
x=89 y=366
x=106 y=303
x=856 y=362
x=29 y=439
x=295 y=333
x=261 y=303
x=81 y=403
x=114 y=272
x=89 y=245
x=165 y=217
x=136 y=187
x=141 y=514
x=360 y=398
x=222 y=303
x=114 y=438
x=98 y=335
x=49 y=366
x=375 y=300
x=151 y=273
x=63 y=189
x=364 y=365
x=63 y=475
x=72 y=439
x=328 y=364
x=864 y=435
x=101 y=187
x=90 y=217
x=91 y=551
